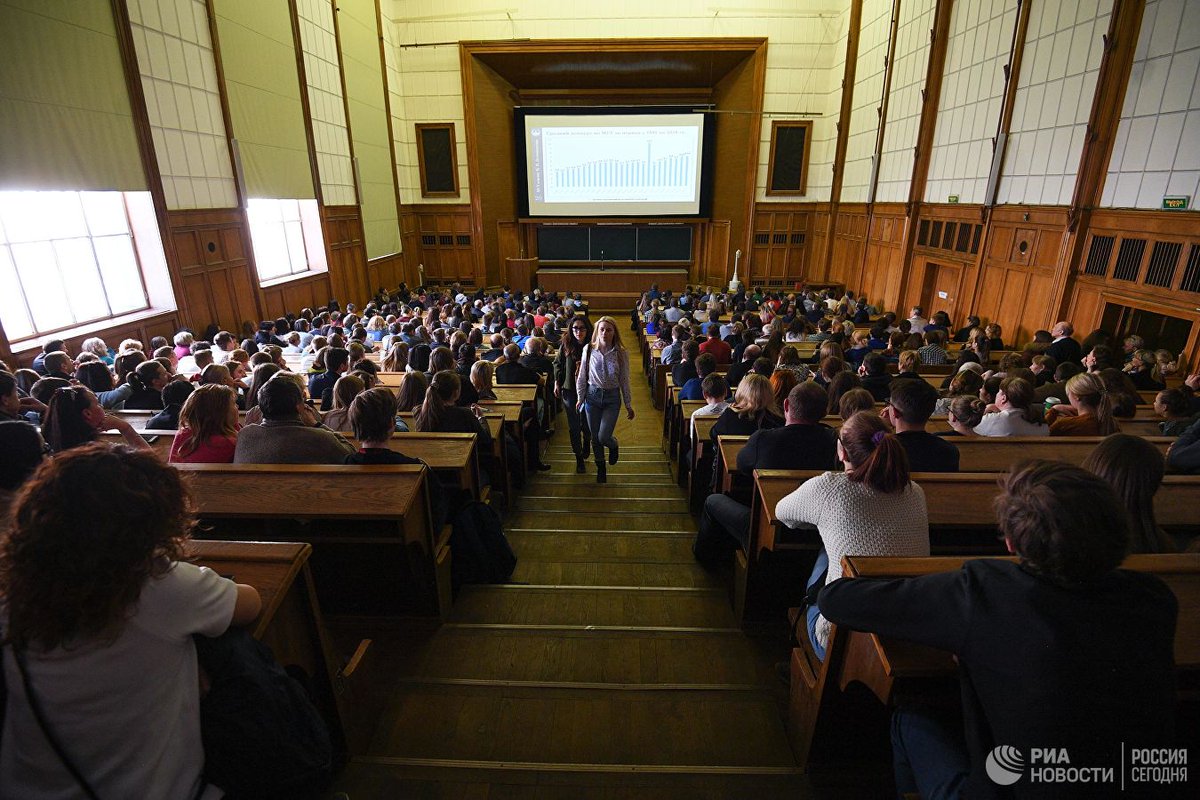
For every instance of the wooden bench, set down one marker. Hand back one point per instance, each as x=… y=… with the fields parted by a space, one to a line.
x=885 y=666
x=374 y=549
x=290 y=623
x=495 y=423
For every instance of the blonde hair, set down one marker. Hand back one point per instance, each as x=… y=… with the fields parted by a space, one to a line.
x=616 y=332
x=754 y=397
x=209 y=411
x=481 y=376
x=909 y=361
x=1089 y=389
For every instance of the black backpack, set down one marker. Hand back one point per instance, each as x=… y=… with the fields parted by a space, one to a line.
x=262 y=736
x=480 y=553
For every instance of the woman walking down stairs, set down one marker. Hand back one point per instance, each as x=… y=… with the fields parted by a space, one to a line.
x=611 y=667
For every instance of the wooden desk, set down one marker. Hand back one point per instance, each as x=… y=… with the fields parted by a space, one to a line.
x=290 y=622
x=451 y=455
x=374 y=550
x=516 y=392
x=883 y=665
x=499 y=456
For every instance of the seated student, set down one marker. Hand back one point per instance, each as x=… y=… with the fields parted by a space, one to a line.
x=875 y=378
x=714 y=346
x=74 y=417
x=337 y=361
x=782 y=382
x=739 y=370
x=1034 y=640
x=345 y=390
x=933 y=353
x=685 y=370
x=24 y=451
x=706 y=364
x=440 y=413
x=412 y=392
x=51 y=346
x=208 y=427
x=872 y=508
x=1184 y=454
x=1134 y=468
x=966 y=382
x=481 y=382
x=673 y=352
x=535 y=358
x=512 y=371
x=174 y=394
x=853 y=401
x=1087 y=412
x=102 y=604
x=496 y=351
x=908 y=410
x=1017 y=413
x=1175 y=407
x=1144 y=371
x=908 y=364
x=291 y=431
x=715 y=391
x=753 y=408
x=96 y=376
x=148 y=380
x=964 y=415
x=803 y=443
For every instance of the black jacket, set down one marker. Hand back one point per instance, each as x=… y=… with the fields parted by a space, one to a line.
x=880 y=386
x=1084 y=667
x=928 y=453
x=1066 y=350
x=683 y=372
x=737 y=371
x=1185 y=453
x=515 y=372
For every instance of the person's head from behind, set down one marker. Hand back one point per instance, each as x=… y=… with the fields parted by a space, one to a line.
x=280 y=398
x=44 y=388
x=1134 y=468
x=209 y=411
x=176 y=393
x=806 y=403
x=512 y=353
x=87 y=531
x=874 y=365
x=23 y=450
x=706 y=364
x=910 y=360
x=912 y=401
x=346 y=389
x=782 y=382
x=58 y=364
x=1100 y=357
x=482 y=373
x=95 y=375
x=74 y=417
x=412 y=391
x=854 y=401
x=54 y=345
x=373 y=415
x=872 y=454
x=337 y=360
x=715 y=388
x=691 y=350
x=1088 y=394
x=754 y=397
x=1063 y=521
x=966 y=411
x=966 y=382
x=443 y=392
x=10 y=398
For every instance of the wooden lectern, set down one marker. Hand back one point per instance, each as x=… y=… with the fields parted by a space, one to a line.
x=521 y=273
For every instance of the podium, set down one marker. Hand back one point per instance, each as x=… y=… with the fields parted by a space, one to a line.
x=520 y=273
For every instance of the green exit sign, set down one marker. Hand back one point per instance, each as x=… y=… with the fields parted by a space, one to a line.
x=1176 y=203
x=952 y=198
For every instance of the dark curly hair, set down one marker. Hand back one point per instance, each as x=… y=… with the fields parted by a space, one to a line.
x=88 y=529
x=1062 y=520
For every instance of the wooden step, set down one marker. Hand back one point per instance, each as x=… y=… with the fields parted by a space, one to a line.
x=592 y=504
x=582 y=607
x=662 y=548
x=526 y=725
x=615 y=574
x=617 y=476
x=609 y=492
x=626 y=520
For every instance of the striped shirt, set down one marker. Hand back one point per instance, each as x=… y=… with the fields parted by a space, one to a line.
x=605 y=370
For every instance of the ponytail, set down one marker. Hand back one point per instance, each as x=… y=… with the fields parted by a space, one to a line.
x=1106 y=420
x=878 y=457
x=440 y=394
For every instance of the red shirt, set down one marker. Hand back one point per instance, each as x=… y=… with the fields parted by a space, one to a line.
x=718 y=349
x=216 y=450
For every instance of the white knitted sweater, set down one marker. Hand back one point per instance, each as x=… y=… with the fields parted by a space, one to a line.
x=853 y=519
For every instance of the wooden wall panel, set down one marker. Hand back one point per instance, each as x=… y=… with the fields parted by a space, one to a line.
x=715 y=261
x=291 y=296
x=348 y=279
x=883 y=262
x=441 y=246
x=781 y=244
x=817 y=243
x=219 y=285
x=849 y=244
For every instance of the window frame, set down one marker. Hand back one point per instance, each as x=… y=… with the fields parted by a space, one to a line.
x=421 y=127
x=804 y=158
x=132 y=231
x=312 y=233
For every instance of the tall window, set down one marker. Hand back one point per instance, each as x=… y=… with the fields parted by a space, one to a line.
x=66 y=259
x=287 y=237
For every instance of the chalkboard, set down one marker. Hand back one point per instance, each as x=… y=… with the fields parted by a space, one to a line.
x=614 y=243
x=664 y=243
x=563 y=243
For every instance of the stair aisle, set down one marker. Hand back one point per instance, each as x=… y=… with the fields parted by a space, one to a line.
x=611 y=667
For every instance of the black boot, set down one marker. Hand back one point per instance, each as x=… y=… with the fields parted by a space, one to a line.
x=586 y=449
x=601 y=473
x=612 y=451
x=580 y=469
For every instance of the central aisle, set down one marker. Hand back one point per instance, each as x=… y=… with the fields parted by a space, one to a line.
x=611 y=667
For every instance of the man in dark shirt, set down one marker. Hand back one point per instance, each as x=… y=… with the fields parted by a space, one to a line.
x=497 y=348
x=513 y=371
x=52 y=346
x=1064 y=348
x=1061 y=651
x=742 y=368
x=685 y=370
x=875 y=378
x=909 y=407
x=337 y=361
x=803 y=443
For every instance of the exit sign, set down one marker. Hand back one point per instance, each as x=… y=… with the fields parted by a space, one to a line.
x=954 y=199
x=1176 y=203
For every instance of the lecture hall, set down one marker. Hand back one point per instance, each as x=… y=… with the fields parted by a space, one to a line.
x=638 y=400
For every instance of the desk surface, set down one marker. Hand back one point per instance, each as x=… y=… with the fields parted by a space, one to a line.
x=270 y=567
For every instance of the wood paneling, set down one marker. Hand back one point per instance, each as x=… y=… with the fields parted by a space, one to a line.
x=348 y=274
x=217 y=283
x=289 y=297
x=883 y=261
x=781 y=244
x=716 y=260
x=849 y=244
x=439 y=238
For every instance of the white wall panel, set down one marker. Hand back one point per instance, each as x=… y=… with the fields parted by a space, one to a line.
x=904 y=106
x=972 y=93
x=183 y=103
x=868 y=99
x=1063 y=50
x=1157 y=147
x=328 y=110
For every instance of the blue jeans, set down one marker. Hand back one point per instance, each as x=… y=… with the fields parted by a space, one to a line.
x=812 y=612
x=602 y=407
x=928 y=755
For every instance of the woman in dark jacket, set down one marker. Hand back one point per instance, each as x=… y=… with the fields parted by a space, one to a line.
x=566 y=367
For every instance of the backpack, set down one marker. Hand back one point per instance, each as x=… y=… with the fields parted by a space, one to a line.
x=262 y=736
x=480 y=553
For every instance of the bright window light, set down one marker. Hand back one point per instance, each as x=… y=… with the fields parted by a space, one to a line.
x=66 y=258
x=278 y=232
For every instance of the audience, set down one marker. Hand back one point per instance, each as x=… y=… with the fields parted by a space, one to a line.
x=964 y=415
x=23 y=450
x=291 y=430
x=1175 y=407
x=1134 y=468
x=345 y=390
x=74 y=417
x=1016 y=413
x=1087 y=412
x=1034 y=640
x=174 y=395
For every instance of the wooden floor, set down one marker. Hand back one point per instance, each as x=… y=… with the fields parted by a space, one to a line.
x=611 y=668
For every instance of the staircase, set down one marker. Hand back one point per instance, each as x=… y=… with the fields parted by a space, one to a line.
x=611 y=667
